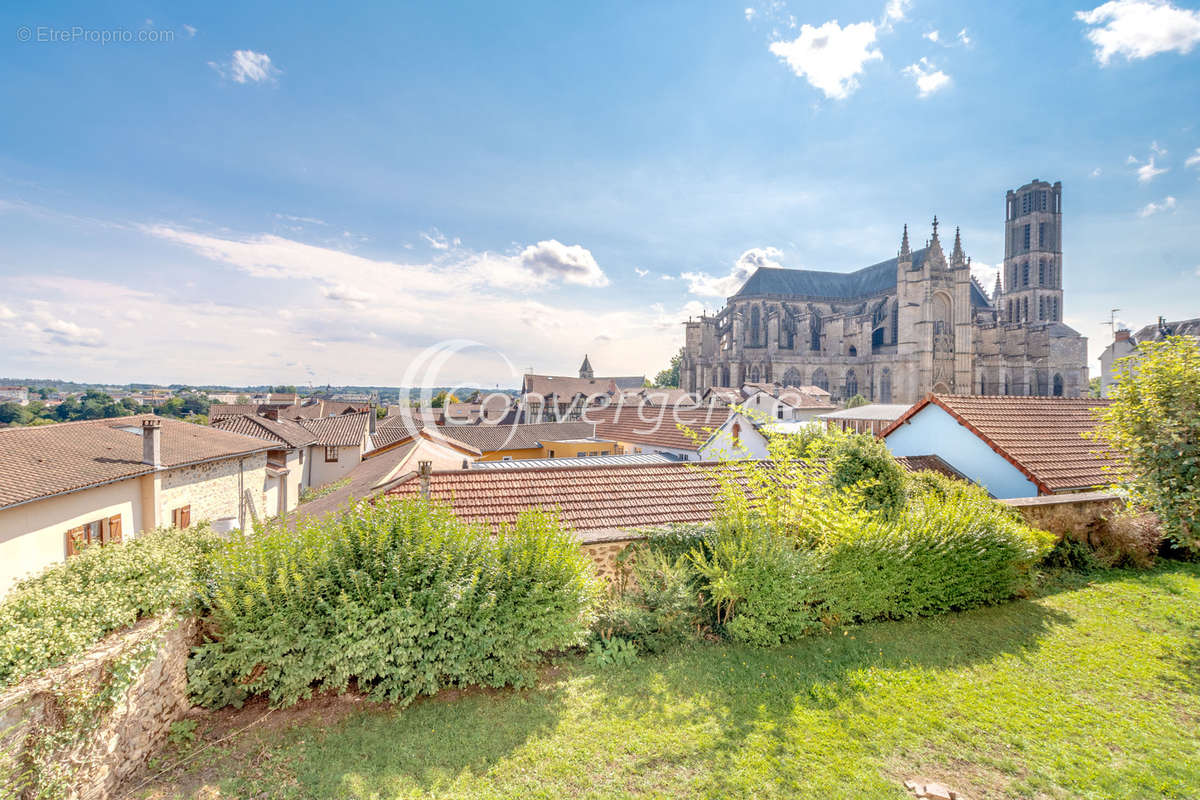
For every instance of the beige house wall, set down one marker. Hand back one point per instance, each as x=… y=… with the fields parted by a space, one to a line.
x=322 y=472
x=34 y=535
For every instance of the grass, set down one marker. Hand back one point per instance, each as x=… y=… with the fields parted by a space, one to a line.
x=1091 y=690
x=312 y=493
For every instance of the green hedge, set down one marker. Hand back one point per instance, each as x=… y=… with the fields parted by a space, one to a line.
x=399 y=597
x=46 y=619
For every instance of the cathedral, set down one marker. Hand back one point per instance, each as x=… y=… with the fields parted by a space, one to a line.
x=902 y=328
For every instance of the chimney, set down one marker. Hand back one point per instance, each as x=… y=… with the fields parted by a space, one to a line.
x=424 y=470
x=152 y=442
x=272 y=413
x=1122 y=335
x=371 y=419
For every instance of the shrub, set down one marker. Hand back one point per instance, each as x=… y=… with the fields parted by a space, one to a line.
x=46 y=619
x=938 y=555
x=758 y=584
x=1154 y=421
x=863 y=462
x=658 y=608
x=398 y=596
x=1128 y=539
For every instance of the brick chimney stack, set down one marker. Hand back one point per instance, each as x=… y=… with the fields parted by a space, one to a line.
x=425 y=470
x=152 y=442
x=272 y=413
x=372 y=418
x=1122 y=335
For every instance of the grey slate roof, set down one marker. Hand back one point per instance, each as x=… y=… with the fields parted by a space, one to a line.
x=1152 y=333
x=869 y=281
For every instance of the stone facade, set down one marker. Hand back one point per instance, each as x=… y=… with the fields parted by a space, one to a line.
x=35 y=762
x=604 y=553
x=904 y=327
x=213 y=489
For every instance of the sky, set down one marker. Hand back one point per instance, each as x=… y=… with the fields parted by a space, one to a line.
x=397 y=194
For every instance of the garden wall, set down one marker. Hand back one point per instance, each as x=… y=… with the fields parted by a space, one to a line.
x=604 y=548
x=79 y=730
x=1081 y=516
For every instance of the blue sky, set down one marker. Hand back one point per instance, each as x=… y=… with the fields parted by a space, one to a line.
x=245 y=195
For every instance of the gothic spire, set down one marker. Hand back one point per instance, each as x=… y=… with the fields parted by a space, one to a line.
x=957 y=257
x=585 y=369
x=933 y=250
x=904 y=251
x=999 y=290
x=935 y=224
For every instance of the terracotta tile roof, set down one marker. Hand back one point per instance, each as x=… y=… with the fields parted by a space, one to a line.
x=564 y=388
x=221 y=410
x=47 y=460
x=1041 y=436
x=387 y=436
x=284 y=431
x=930 y=464
x=322 y=408
x=489 y=438
x=656 y=425
x=587 y=499
x=344 y=430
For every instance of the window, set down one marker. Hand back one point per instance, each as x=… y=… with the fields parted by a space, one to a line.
x=1041 y=308
x=853 y=351
x=737 y=433
x=1025 y=274
x=1042 y=272
x=851 y=384
x=331 y=455
x=1026 y=236
x=182 y=517
x=99 y=532
x=506 y=458
x=1041 y=234
x=301 y=451
x=778 y=412
x=552 y=454
x=1058 y=385
x=885 y=386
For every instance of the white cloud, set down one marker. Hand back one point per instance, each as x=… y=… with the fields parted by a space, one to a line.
x=896 y=9
x=6 y=313
x=750 y=14
x=1150 y=209
x=247 y=66
x=1193 y=159
x=932 y=35
x=985 y=274
x=1138 y=29
x=1148 y=171
x=831 y=57
x=641 y=273
x=70 y=334
x=1096 y=172
x=1157 y=149
x=705 y=285
x=342 y=293
x=189 y=30
x=438 y=241
x=964 y=38
x=928 y=78
x=551 y=259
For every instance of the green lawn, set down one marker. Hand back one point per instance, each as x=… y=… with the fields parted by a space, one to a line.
x=1089 y=691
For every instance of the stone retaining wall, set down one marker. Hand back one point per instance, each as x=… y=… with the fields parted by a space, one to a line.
x=70 y=732
x=604 y=550
x=1081 y=516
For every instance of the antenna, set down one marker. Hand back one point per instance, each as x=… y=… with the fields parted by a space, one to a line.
x=1112 y=322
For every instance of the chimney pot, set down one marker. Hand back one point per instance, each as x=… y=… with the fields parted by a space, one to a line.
x=152 y=442
x=1123 y=335
x=424 y=470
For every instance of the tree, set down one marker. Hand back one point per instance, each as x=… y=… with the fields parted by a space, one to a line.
x=1154 y=421
x=442 y=399
x=12 y=414
x=856 y=401
x=669 y=377
x=1094 y=387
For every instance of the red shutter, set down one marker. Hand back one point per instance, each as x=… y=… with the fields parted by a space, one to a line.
x=114 y=528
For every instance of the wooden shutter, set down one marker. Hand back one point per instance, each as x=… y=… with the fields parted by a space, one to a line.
x=74 y=541
x=114 y=528
x=185 y=517
x=175 y=517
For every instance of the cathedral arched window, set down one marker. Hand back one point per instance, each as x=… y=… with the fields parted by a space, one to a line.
x=982 y=385
x=853 y=351
x=716 y=381
x=1007 y=388
x=792 y=377
x=1025 y=274
x=820 y=379
x=1042 y=272
x=1041 y=308
x=895 y=322
x=851 y=384
x=754 y=374
x=754 y=326
x=814 y=329
x=1058 y=385
x=885 y=386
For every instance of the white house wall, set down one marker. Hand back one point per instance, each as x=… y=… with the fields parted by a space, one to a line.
x=932 y=431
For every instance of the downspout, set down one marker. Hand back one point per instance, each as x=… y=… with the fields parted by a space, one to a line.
x=241 y=494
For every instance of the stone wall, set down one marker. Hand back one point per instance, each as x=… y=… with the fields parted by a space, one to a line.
x=604 y=549
x=1082 y=516
x=211 y=488
x=77 y=731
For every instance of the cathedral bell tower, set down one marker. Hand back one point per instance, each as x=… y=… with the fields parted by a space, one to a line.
x=1032 y=255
